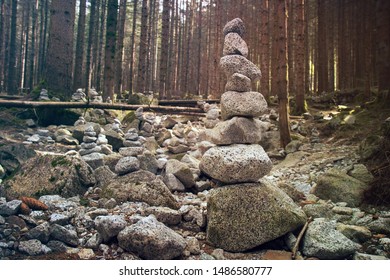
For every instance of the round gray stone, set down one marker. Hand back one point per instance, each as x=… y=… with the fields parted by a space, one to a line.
x=245 y=104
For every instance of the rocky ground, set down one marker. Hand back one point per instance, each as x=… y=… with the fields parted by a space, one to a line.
x=132 y=189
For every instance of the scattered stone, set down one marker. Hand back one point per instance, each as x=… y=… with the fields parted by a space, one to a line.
x=340 y=187
x=361 y=173
x=31 y=247
x=141 y=186
x=109 y=226
x=126 y=165
x=367 y=257
x=181 y=172
x=94 y=160
x=86 y=254
x=357 y=234
x=165 y=215
x=10 y=208
x=151 y=239
x=323 y=241
x=63 y=234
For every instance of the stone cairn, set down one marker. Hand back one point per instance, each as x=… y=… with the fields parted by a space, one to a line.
x=235 y=208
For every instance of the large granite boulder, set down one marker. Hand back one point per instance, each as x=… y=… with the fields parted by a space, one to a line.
x=340 y=187
x=236 y=163
x=323 y=241
x=244 y=104
x=231 y=64
x=142 y=186
x=151 y=239
x=51 y=173
x=244 y=216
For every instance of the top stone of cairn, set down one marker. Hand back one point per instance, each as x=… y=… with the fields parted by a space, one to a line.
x=234 y=26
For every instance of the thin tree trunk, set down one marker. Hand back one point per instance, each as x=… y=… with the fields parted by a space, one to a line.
x=101 y=45
x=89 y=46
x=119 y=51
x=265 y=54
x=282 y=77
x=164 y=48
x=322 y=48
x=143 y=48
x=12 y=88
x=110 y=50
x=300 y=56
x=131 y=75
x=32 y=48
x=78 y=65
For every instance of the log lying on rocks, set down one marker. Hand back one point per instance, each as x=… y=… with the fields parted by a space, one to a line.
x=115 y=106
x=187 y=103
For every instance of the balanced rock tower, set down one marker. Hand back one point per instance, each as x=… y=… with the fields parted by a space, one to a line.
x=244 y=212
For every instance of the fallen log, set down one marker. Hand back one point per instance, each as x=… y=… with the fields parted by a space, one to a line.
x=114 y=106
x=186 y=103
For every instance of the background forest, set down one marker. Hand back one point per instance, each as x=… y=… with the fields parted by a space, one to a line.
x=173 y=47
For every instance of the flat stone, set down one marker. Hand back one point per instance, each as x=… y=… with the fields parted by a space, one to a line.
x=126 y=165
x=181 y=171
x=237 y=130
x=234 y=44
x=358 y=234
x=234 y=26
x=151 y=239
x=84 y=152
x=95 y=160
x=243 y=104
x=31 y=247
x=231 y=64
x=165 y=215
x=244 y=216
x=63 y=234
x=178 y=149
x=239 y=83
x=10 y=208
x=173 y=184
x=109 y=226
x=40 y=232
x=236 y=163
x=89 y=139
x=323 y=241
x=340 y=187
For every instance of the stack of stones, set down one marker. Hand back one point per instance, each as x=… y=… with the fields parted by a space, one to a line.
x=94 y=145
x=243 y=212
x=132 y=143
x=43 y=95
x=79 y=96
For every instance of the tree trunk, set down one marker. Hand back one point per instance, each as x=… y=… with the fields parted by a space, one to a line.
x=79 y=61
x=322 y=49
x=2 y=15
x=383 y=49
x=110 y=50
x=12 y=87
x=32 y=48
x=119 y=51
x=300 y=56
x=91 y=32
x=282 y=66
x=59 y=63
x=101 y=45
x=265 y=53
x=132 y=44
x=143 y=49
x=164 y=49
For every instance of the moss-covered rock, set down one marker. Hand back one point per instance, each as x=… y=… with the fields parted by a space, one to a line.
x=244 y=216
x=340 y=187
x=51 y=174
x=141 y=186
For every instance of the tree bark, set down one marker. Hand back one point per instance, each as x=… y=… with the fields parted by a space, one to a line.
x=59 y=63
x=164 y=48
x=143 y=49
x=119 y=51
x=89 y=47
x=12 y=87
x=299 y=76
x=110 y=50
x=132 y=44
x=79 y=61
x=282 y=66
